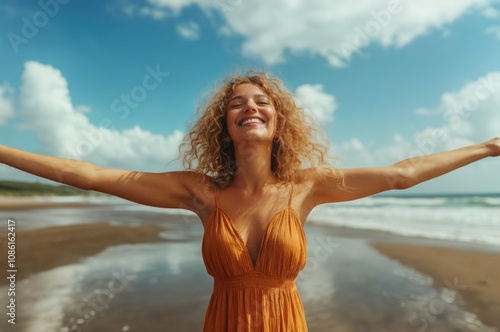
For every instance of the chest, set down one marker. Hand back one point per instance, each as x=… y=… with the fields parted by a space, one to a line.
x=251 y=217
x=251 y=247
x=251 y=226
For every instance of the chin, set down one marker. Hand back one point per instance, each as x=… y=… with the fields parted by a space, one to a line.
x=256 y=138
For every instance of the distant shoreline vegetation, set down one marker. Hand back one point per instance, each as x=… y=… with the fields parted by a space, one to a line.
x=19 y=188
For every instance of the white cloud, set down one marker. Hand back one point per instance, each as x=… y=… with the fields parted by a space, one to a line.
x=355 y=153
x=338 y=31
x=155 y=13
x=495 y=30
x=83 y=109
x=491 y=12
x=175 y=6
x=64 y=130
x=158 y=9
x=423 y=112
x=132 y=10
x=470 y=115
x=317 y=103
x=335 y=31
x=6 y=105
x=189 y=30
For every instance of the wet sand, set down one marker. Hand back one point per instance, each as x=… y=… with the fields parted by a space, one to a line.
x=43 y=249
x=474 y=275
x=346 y=285
x=12 y=203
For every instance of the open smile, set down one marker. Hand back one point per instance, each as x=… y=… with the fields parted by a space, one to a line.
x=251 y=122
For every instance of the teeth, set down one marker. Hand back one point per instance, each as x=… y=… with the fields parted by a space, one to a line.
x=251 y=121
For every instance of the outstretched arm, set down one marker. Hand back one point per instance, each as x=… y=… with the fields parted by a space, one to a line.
x=169 y=189
x=362 y=182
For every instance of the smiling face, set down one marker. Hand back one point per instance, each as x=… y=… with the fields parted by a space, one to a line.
x=250 y=114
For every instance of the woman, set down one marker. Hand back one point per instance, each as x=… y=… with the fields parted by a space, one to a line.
x=252 y=195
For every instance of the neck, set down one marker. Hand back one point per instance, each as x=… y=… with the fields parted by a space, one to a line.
x=253 y=163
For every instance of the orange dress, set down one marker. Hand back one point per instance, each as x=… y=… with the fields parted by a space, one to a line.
x=255 y=298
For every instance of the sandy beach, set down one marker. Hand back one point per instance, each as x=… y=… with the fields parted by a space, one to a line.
x=350 y=287
x=472 y=275
x=13 y=203
x=44 y=249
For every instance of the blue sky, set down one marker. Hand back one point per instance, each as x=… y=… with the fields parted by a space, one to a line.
x=117 y=83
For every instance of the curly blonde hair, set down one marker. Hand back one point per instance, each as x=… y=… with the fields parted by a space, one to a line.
x=209 y=145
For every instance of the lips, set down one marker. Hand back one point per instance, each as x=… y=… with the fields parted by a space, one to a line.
x=251 y=120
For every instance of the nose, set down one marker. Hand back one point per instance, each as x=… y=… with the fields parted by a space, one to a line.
x=250 y=107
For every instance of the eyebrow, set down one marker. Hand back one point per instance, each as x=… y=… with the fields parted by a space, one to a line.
x=241 y=97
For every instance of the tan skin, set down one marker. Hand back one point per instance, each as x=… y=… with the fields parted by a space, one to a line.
x=254 y=196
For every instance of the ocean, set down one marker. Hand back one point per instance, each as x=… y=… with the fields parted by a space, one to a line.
x=461 y=217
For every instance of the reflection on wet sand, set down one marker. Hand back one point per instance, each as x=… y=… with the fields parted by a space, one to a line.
x=357 y=289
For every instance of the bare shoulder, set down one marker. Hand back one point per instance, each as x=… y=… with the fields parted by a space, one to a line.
x=198 y=190
x=199 y=184
x=192 y=179
x=190 y=190
x=307 y=185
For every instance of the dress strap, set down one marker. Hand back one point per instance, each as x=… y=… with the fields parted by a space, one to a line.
x=291 y=195
x=215 y=196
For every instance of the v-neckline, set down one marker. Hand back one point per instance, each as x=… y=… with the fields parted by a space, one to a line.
x=264 y=235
